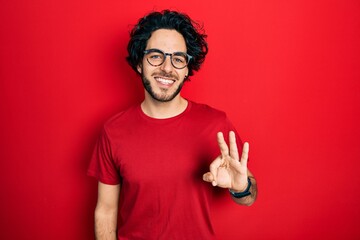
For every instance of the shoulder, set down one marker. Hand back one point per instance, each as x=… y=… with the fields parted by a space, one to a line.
x=122 y=118
x=205 y=110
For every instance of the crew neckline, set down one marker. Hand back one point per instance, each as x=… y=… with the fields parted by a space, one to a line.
x=162 y=120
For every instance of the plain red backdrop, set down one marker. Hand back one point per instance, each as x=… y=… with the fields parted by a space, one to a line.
x=286 y=72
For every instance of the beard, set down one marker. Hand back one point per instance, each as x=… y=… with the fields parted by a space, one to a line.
x=164 y=95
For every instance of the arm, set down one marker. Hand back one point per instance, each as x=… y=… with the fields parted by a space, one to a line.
x=230 y=171
x=106 y=211
x=248 y=200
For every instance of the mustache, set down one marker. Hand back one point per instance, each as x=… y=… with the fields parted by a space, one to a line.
x=164 y=74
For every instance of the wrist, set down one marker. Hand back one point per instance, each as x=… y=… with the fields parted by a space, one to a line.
x=241 y=194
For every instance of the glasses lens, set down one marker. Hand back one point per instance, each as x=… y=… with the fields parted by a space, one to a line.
x=179 y=60
x=155 y=58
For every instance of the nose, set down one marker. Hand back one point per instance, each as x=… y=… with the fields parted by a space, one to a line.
x=167 y=65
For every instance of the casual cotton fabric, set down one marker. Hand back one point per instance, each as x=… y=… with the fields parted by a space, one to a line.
x=159 y=164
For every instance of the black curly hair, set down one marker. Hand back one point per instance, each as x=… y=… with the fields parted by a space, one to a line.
x=192 y=32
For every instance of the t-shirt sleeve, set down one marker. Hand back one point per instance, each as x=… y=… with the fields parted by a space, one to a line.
x=102 y=165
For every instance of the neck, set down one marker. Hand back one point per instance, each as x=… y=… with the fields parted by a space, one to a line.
x=161 y=110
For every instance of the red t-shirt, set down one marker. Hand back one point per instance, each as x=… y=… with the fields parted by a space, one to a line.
x=159 y=164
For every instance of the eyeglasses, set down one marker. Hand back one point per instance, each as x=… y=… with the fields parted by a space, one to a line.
x=156 y=57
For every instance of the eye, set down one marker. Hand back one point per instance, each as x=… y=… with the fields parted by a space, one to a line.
x=179 y=59
x=155 y=56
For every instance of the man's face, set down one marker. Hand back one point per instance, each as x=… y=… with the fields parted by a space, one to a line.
x=163 y=83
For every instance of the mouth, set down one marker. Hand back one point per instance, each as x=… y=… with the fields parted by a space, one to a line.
x=164 y=81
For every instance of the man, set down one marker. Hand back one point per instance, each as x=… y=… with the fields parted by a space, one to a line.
x=153 y=159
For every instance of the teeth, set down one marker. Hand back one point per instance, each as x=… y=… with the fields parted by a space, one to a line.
x=164 y=81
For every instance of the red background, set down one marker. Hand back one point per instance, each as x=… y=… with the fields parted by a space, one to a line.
x=286 y=72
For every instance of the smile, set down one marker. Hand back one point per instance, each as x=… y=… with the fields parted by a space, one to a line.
x=164 y=81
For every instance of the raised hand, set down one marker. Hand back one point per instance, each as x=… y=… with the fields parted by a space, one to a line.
x=227 y=170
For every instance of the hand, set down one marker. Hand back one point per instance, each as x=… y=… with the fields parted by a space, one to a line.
x=226 y=170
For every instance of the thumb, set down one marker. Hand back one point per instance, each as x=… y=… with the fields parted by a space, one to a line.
x=208 y=177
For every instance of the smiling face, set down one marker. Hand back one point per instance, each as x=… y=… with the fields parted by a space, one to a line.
x=163 y=83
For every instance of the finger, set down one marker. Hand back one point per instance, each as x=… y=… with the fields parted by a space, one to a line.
x=214 y=169
x=208 y=177
x=245 y=154
x=234 y=153
x=222 y=145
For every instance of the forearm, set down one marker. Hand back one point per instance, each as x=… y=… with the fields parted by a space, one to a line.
x=248 y=200
x=105 y=225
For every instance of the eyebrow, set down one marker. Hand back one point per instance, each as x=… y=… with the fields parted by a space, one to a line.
x=182 y=51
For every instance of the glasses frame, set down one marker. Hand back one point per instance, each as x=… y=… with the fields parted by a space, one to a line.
x=189 y=57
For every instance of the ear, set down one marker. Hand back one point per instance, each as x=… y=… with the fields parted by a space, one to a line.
x=139 y=68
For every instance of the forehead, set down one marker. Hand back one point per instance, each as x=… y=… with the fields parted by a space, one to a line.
x=167 y=41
